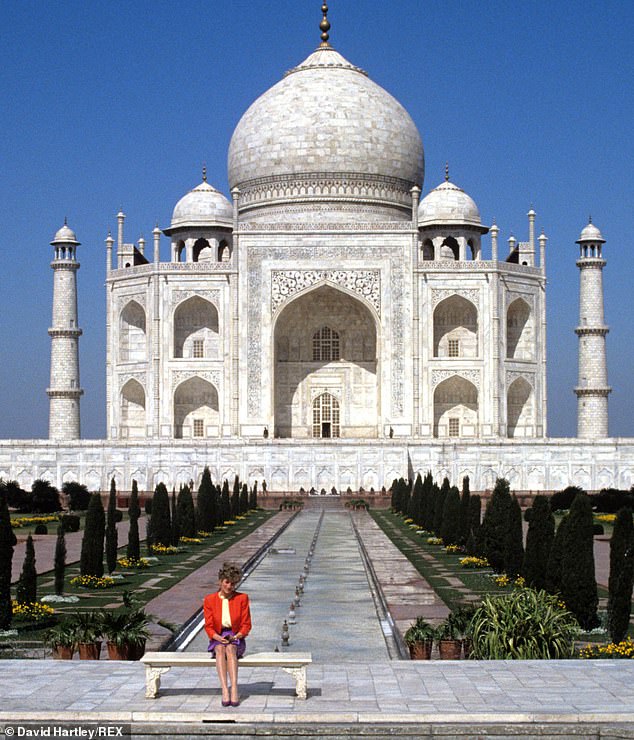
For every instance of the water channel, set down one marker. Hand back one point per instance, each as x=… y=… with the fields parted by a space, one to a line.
x=340 y=617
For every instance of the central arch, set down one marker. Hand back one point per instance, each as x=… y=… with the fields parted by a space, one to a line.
x=325 y=346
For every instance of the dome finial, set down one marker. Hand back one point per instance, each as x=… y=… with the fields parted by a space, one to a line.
x=204 y=172
x=324 y=26
x=65 y=220
x=446 y=171
x=590 y=219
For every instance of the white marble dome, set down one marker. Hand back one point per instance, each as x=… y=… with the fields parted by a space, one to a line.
x=590 y=233
x=448 y=204
x=326 y=120
x=65 y=235
x=202 y=206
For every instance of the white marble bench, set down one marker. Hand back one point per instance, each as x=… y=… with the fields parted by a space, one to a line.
x=158 y=663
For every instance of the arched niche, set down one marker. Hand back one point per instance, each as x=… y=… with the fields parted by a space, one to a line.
x=325 y=340
x=132 y=409
x=132 y=333
x=196 y=329
x=455 y=408
x=181 y=251
x=520 y=409
x=450 y=249
x=195 y=408
x=224 y=252
x=427 y=250
x=455 y=328
x=520 y=334
x=326 y=417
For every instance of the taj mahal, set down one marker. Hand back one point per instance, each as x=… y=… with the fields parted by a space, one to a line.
x=328 y=322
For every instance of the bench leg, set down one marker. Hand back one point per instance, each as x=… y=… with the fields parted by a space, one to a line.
x=153 y=680
x=299 y=674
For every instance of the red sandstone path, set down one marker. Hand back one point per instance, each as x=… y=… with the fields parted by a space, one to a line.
x=45 y=547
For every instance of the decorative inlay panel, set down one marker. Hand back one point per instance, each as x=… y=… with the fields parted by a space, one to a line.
x=139 y=377
x=473 y=376
x=212 y=376
x=470 y=294
x=123 y=300
x=285 y=283
x=317 y=226
x=512 y=375
x=178 y=296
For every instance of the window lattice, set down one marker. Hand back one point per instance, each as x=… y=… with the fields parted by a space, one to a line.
x=326 y=416
x=454 y=347
x=325 y=345
x=454 y=427
x=199 y=428
x=198 y=348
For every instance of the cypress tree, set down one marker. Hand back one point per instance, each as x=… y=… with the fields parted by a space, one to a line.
x=7 y=543
x=160 y=520
x=134 y=512
x=176 y=527
x=111 y=529
x=26 y=590
x=186 y=514
x=425 y=502
x=495 y=524
x=244 y=499
x=555 y=559
x=91 y=559
x=439 y=509
x=514 y=542
x=235 y=498
x=475 y=544
x=578 y=583
x=621 y=576
x=225 y=502
x=60 y=560
x=253 y=497
x=394 y=496
x=465 y=523
x=416 y=501
x=539 y=541
x=434 y=497
x=450 y=528
x=205 y=514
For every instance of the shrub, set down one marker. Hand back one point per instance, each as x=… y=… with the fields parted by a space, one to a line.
x=60 y=561
x=7 y=543
x=160 y=522
x=78 y=495
x=450 y=529
x=186 y=512
x=45 y=497
x=206 y=517
x=16 y=497
x=621 y=576
x=514 y=541
x=610 y=500
x=70 y=522
x=465 y=522
x=562 y=500
x=523 y=624
x=40 y=529
x=112 y=537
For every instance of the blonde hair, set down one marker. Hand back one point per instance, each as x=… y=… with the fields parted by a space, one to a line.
x=230 y=572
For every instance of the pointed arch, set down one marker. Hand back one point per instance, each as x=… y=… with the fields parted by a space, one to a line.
x=132 y=333
x=326 y=417
x=520 y=409
x=196 y=329
x=520 y=331
x=202 y=251
x=133 y=409
x=456 y=408
x=196 y=408
x=455 y=328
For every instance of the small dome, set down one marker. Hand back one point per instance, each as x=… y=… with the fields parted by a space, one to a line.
x=65 y=235
x=202 y=206
x=448 y=204
x=590 y=234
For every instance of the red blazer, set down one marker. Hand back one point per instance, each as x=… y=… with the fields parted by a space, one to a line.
x=238 y=610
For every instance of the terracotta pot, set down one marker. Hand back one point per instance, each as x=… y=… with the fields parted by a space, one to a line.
x=89 y=650
x=136 y=651
x=118 y=652
x=420 y=650
x=450 y=649
x=61 y=652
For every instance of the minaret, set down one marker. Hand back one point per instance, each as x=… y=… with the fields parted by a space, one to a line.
x=64 y=391
x=592 y=389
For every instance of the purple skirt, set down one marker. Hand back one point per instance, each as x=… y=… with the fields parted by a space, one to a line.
x=241 y=644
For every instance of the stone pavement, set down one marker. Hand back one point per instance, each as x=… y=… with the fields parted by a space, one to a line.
x=536 y=695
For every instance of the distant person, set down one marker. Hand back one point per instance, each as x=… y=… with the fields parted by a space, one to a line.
x=227 y=622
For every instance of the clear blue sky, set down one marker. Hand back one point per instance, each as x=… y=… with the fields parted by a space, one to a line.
x=119 y=104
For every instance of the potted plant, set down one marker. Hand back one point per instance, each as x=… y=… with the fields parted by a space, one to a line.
x=461 y=618
x=62 y=638
x=88 y=630
x=419 y=638
x=449 y=644
x=126 y=633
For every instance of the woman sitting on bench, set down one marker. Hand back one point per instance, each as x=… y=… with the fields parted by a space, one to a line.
x=227 y=622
